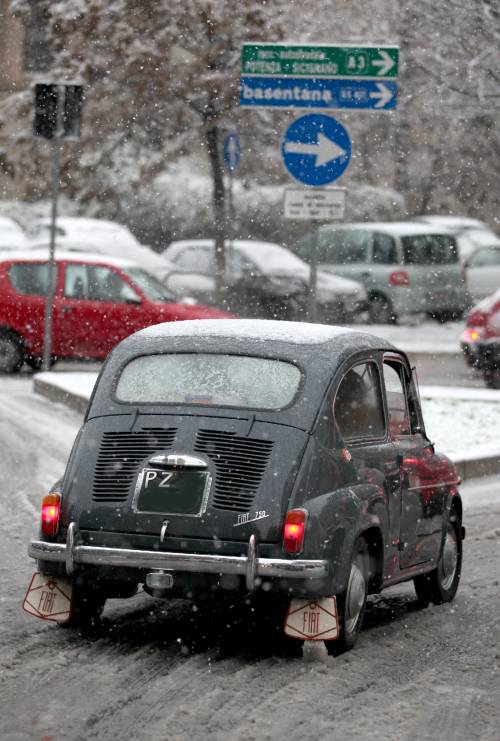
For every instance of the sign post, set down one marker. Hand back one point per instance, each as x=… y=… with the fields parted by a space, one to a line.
x=57 y=117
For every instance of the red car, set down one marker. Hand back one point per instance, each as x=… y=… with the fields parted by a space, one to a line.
x=97 y=303
x=480 y=341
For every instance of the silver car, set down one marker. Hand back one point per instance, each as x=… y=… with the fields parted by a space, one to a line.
x=407 y=268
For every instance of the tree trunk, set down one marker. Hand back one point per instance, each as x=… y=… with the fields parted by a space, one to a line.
x=212 y=139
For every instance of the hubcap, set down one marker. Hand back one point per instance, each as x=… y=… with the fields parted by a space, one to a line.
x=355 y=598
x=449 y=560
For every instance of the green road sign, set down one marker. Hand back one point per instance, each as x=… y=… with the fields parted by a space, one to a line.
x=302 y=60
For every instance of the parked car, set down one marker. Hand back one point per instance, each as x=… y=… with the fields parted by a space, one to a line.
x=82 y=229
x=264 y=279
x=407 y=268
x=480 y=341
x=255 y=459
x=97 y=303
x=469 y=233
x=483 y=270
x=112 y=247
x=12 y=237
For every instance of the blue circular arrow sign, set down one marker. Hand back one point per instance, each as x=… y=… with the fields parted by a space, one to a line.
x=316 y=149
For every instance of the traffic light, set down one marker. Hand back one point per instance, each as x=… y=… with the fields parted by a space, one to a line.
x=49 y=99
x=45 y=122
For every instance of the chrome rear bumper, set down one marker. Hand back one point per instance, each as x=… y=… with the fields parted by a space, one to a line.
x=249 y=566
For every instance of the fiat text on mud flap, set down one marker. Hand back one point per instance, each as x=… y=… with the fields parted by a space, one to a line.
x=304 y=476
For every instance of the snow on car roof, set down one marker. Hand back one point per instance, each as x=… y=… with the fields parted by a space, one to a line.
x=40 y=253
x=265 y=330
x=90 y=227
x=396 y=228
x=454 y=222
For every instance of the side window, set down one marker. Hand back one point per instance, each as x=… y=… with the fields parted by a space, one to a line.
x=30 y=278
x=239 y=265
x=485 y=256
x=196 y=260
x=357 y=407
x=384 y=250
x=395 y=389
x=76 y=282
x=344 y=246
x=92 y=283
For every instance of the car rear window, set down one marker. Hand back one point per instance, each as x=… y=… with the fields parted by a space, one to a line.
x=429 y=249
x=30 y=278
x=211 y=380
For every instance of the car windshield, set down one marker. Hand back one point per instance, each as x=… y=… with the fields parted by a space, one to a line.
x=151 y=287
x=212 y=380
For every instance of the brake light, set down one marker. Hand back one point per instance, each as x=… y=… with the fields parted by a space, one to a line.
x=399 y=278
x=294 y=530
x=51 y=507
x=472 y=334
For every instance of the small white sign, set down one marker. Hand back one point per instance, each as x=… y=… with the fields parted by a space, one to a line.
x=322 y=204
x=313 y=621
x=49 y=598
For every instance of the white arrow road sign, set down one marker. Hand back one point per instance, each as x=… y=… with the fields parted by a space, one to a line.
x=325 y=150
x=384 y=64
x=383 y=95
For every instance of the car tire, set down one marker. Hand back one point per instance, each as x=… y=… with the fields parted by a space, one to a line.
x=11 y=353
x=380 y=311
x=87 y=605
x=33 y=362
x=441 y=584
x=351 y=604
x=492 y=378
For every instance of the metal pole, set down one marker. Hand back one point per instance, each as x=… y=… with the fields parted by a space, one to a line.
x=313 y=277
x=56 y=152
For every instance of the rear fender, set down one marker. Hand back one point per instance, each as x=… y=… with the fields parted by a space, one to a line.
x=335 y=522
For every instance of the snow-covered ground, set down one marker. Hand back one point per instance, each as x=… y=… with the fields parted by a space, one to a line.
x=173 y=670
x=462 y=422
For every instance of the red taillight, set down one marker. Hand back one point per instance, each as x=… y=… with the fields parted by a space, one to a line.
x=51 y=506
x=294 y=530
x=472 y=334
x=399 y=278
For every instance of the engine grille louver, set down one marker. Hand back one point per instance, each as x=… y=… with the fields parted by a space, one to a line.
x=240 y=463
x=119 y=456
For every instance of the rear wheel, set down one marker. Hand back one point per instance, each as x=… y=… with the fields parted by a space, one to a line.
x=11 y=353
x=492 y=378
x=380 y=311
x=351 y=604
x=87 y=604
x=441 y=585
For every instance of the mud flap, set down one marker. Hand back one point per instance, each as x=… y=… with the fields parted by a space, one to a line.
x=49 y=598
x=312 y=621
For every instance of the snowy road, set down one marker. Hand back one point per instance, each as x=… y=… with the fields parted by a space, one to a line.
x=168 y=671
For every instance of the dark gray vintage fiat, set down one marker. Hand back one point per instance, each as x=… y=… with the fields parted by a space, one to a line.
x=287 y=460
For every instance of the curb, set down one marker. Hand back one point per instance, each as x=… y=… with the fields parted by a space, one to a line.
x=74 y=401
x=468 y=468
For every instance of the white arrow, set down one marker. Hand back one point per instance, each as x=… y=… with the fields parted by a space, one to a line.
x=384 y=95
x=385 y=64
x=324 y=150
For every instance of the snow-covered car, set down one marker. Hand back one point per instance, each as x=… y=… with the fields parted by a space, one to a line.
x=483 y=270
x=264 y=279
x=406 y=267
x=12 y=237
x=480 y=341
x=83 y=229
x=285 y=463
x=142 y=255
x=97 y=302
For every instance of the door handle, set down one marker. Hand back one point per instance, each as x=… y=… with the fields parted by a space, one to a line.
x=67 y=309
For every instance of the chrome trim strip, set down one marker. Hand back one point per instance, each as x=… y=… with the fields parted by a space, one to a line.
x=176 y=460
x=187 y=562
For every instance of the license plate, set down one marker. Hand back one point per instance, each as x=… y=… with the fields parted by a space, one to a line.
x=172 y=492
x=49 y=598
